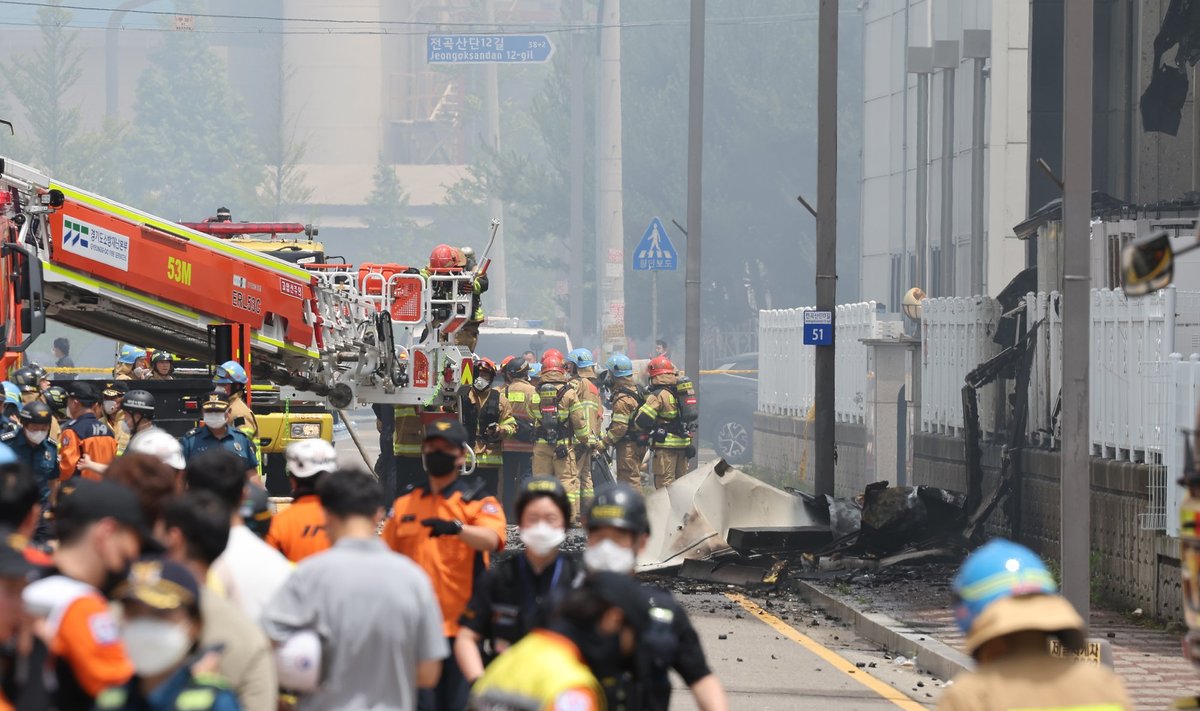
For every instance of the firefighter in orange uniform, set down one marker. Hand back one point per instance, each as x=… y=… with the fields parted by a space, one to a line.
x=448 y=526
x=84 y=434
x=299 y=530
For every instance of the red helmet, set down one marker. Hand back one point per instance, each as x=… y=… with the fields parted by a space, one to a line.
x=443 y=258
x=552 y=361
x=483 y=363
x=660 y=366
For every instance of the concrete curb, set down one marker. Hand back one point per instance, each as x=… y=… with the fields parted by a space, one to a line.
x=937 y=658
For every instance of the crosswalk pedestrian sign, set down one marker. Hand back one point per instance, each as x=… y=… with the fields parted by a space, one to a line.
x=655 y=252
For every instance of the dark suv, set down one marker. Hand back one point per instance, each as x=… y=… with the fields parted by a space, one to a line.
x=727 y=405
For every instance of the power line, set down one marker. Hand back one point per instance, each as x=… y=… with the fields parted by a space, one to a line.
x=379 y=27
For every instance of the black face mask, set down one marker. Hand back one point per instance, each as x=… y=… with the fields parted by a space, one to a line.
x=113 y=578
x=439 y=463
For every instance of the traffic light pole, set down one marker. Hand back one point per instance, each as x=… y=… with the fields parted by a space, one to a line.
x=827 y=34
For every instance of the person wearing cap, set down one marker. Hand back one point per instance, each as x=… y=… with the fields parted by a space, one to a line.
x=512 y=595
x=249 y=572
x=299 y=530
x=216 y=432
x=20 y=659
x=161 y=626
x=160 y=445
x=448 y=526
x=194 y=530
x=100 y=529
x=358 y=626
x=557 y=666
x=33 y=448
x=84 y=435
x=618 y=529
x=1008 y=606
x=112 y=397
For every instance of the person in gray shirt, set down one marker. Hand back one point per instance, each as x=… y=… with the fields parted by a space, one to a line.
x=374 y=611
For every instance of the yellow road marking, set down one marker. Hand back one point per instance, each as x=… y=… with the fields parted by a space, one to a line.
x=840 y=663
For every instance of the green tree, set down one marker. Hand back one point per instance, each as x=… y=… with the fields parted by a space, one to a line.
x=40 y=82
x=391 y=230
x=285 y=184
x=190 y=148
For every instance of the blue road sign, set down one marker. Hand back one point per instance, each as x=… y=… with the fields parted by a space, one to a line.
x=487 y=49
x=655 y=253
x=818 y=328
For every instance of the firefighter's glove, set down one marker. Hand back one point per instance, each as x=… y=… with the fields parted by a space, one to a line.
x=492 y=431
x=690 y=451
x=442 y=527
x=598 y=445
x=561 y=452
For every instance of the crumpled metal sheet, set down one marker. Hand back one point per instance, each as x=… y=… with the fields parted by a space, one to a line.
x=691 y=518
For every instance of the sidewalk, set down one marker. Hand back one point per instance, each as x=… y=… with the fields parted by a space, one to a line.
x=906 y=609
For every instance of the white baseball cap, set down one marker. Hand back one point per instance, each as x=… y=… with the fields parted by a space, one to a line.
x=159 y=443
x=309 y=457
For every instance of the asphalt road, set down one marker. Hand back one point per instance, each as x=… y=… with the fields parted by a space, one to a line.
x=772 y=654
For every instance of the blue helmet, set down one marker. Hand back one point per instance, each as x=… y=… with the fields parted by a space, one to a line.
x=997 y=570
x=581 y=357
x=130 y=354
x=619 y=365
x=230 y=371
x=12 y=394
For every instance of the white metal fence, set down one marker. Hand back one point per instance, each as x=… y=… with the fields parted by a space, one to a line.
x=786 y=366
x=956 y=337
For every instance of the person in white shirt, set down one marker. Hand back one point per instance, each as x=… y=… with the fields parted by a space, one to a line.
x=249 y=572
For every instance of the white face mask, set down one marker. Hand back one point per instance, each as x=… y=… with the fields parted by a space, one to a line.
x=542 y=538
x=482 y=384
x=214 y=420
x=154 y=646
x=36 y=437
x=607 y=556
x=110 y=406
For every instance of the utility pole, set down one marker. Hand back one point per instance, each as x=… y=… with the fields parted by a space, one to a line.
x=977 y=45
x=1075 y=501
x=945 y=57
x=497 y=276
x=920 y=62
x=610 y=265
x=695 y=164
x=827 y=70
x=575 y=288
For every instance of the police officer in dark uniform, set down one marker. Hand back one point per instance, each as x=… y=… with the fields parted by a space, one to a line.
x=33 y=446
x=618 y=529
x=216 y=432
x=511 y=597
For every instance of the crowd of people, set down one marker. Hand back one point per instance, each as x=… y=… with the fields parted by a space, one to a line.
x=145 y=571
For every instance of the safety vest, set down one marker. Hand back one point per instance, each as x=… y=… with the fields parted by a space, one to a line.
x=524 y=399
x=406 y=442
x=535 y=674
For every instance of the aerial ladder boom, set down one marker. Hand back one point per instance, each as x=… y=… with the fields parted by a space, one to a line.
x=373 y=333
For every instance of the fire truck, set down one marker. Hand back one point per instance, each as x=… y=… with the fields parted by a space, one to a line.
x=376 y=333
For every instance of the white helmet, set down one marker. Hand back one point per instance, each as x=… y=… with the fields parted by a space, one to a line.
x=159 y=443
x=298 y=661
x=309 y=457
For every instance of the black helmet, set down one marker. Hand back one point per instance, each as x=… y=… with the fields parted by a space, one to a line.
x=620 y=506
x=160 y=356
x=543 y=486
x=35 y=413
x=40 y=372
x=139 y=401
x=56 y=398
x=515 y=368
x=26 y=378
